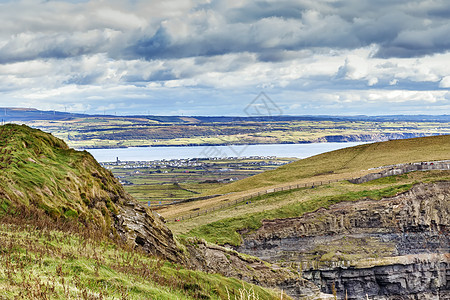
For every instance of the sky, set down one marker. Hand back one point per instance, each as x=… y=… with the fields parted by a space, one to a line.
x=206 y=57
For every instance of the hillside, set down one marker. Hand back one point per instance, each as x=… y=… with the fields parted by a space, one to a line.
x=69 y=230
x=40 y=176
x=38 y=170
x=383 y=239
x=345 y=162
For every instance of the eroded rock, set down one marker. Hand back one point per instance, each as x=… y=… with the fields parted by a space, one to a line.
x=349 y=243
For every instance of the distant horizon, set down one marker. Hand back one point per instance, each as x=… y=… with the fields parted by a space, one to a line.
x=229 y=116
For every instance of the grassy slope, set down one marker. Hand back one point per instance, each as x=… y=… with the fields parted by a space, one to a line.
x=224 y=227
x=39 y=170
x=349 y=160
x=46 y=192
x=53 y=264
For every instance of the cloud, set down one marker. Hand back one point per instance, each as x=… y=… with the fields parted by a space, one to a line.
x=177 y=29
x=93 y=54
x=445 y=82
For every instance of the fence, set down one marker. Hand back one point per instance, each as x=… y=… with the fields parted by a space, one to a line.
x=249 y=197
x=401 y=169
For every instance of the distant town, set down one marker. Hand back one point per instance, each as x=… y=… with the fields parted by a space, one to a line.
x=164 y=181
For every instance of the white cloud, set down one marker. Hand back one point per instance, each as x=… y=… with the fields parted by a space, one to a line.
x=93 y=54
x=372 y=81
x=393 y=81
x=445 y=82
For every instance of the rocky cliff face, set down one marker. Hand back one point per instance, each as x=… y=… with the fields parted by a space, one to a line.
x=423 y=277
x=373 y=137
x=216 y=259
x=334 y=246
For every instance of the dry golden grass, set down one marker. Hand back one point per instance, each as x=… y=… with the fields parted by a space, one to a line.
x=296 y=196
x=348 y=161
x=331 y=166
x=188 y=208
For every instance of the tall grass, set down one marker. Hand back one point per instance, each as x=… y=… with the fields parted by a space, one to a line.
x=38 y=260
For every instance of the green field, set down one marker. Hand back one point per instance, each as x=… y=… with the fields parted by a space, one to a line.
x=163 y=182
x=108 y=132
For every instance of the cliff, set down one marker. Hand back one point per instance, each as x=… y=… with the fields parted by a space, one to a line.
x=387 y=249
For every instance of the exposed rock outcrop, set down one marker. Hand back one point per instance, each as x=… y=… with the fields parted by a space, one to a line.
x=212 y=258
x=373 y=137
x=423 y=277
x=334 y=245
x=402 y=169
x=139 y=227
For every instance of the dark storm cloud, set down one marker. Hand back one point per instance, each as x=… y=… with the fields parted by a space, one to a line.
x=95 y=53
x=410 y=43
x=28 y=46
x=58 y=29
x=253 y=11
x=268 y=28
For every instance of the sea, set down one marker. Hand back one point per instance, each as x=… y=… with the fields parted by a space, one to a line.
x=191 y=152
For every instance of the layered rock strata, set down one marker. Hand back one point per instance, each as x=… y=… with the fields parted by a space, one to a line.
x=394 y=248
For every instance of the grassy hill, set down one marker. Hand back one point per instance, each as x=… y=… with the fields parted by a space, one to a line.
x=62 y=218
x=347 y=161
x=225 y=226
x=38 y=170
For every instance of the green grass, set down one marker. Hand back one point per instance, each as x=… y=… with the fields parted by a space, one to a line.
x=226 y=231
x=278 y=200
x=40 y=170
x=53 y=264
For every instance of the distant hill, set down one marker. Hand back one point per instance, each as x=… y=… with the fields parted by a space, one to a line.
x=347 y=160
x=11 y=114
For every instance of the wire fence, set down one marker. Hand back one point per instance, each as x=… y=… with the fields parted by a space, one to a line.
x=423 y=166
x=248 y=198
